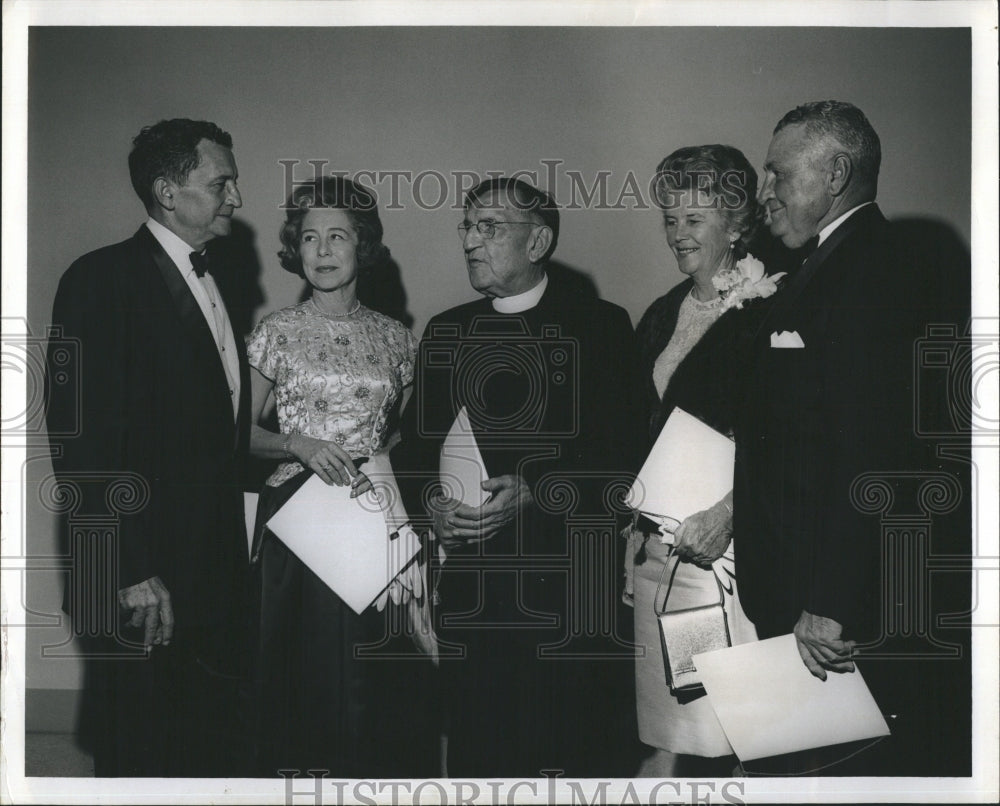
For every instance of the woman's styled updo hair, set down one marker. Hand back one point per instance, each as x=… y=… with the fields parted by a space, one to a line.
x=335 y=193
x=724 y=174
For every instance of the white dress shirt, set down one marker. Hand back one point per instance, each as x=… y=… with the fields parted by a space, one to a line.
x=524 y=301
x=827 y=231
x=206 y=294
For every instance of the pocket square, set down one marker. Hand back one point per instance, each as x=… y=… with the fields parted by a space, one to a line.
x=787 y=339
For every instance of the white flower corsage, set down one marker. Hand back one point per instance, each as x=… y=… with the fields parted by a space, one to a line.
x=745 y=281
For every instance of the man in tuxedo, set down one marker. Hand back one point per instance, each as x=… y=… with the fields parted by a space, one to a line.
x=536 y=669
x=832 y=399
x=159 y=603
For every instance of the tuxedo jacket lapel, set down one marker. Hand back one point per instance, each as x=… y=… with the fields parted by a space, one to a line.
x=797 y=283
x=191 y=317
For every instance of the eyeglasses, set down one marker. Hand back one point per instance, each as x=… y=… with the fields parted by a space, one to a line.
x=488 y=228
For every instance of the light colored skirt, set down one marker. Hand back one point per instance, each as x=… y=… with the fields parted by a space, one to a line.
x=689 y=727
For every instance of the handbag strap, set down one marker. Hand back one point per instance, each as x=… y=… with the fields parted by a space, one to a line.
x=660 y=611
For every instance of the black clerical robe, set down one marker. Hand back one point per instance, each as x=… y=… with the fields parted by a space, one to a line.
x=535 y=659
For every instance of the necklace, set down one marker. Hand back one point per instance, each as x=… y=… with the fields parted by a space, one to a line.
x=702 y=305
x=321 y=312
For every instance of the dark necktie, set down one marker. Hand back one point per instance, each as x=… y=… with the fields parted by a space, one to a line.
x=810 y=246
x=200 y=263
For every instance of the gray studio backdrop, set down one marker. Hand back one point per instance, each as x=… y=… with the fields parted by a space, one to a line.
x=580 y=102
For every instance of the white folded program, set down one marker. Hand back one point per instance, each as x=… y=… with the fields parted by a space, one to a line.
x=689 y=469
x=765 y=683
x=354 y=545
x=461 y=469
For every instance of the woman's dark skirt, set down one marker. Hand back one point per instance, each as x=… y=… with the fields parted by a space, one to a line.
x=333 y=690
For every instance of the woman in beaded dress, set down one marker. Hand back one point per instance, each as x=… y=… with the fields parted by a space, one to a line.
x=707 y=196
x=336 y=371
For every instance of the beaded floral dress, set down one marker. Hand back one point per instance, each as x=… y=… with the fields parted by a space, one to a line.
x=322 y=700
x=335 y=378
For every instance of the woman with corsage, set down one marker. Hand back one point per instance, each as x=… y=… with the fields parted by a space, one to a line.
x=335 y=370
x=707 y=195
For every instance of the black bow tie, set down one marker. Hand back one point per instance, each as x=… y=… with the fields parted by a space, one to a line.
x=200 y=263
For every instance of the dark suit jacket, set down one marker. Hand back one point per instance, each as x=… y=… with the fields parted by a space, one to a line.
x=153 y=401
x=813 y=419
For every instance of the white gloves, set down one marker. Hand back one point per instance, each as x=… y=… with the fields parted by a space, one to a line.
x=408 y=583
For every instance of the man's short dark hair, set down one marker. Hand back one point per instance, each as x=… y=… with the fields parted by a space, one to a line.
x=846 y=124
x=524 y=197
x=169 y=149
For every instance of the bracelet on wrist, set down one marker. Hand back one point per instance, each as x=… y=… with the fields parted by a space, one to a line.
x=286 y=447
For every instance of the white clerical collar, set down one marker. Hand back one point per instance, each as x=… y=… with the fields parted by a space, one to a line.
x=175 y=247
x=522 y=302
x=827 y=231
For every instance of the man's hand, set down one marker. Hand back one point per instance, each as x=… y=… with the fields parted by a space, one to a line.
x=457 y=524
x=820 y=647
x=441 y=509
x=149 y=602
x=703 y=537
